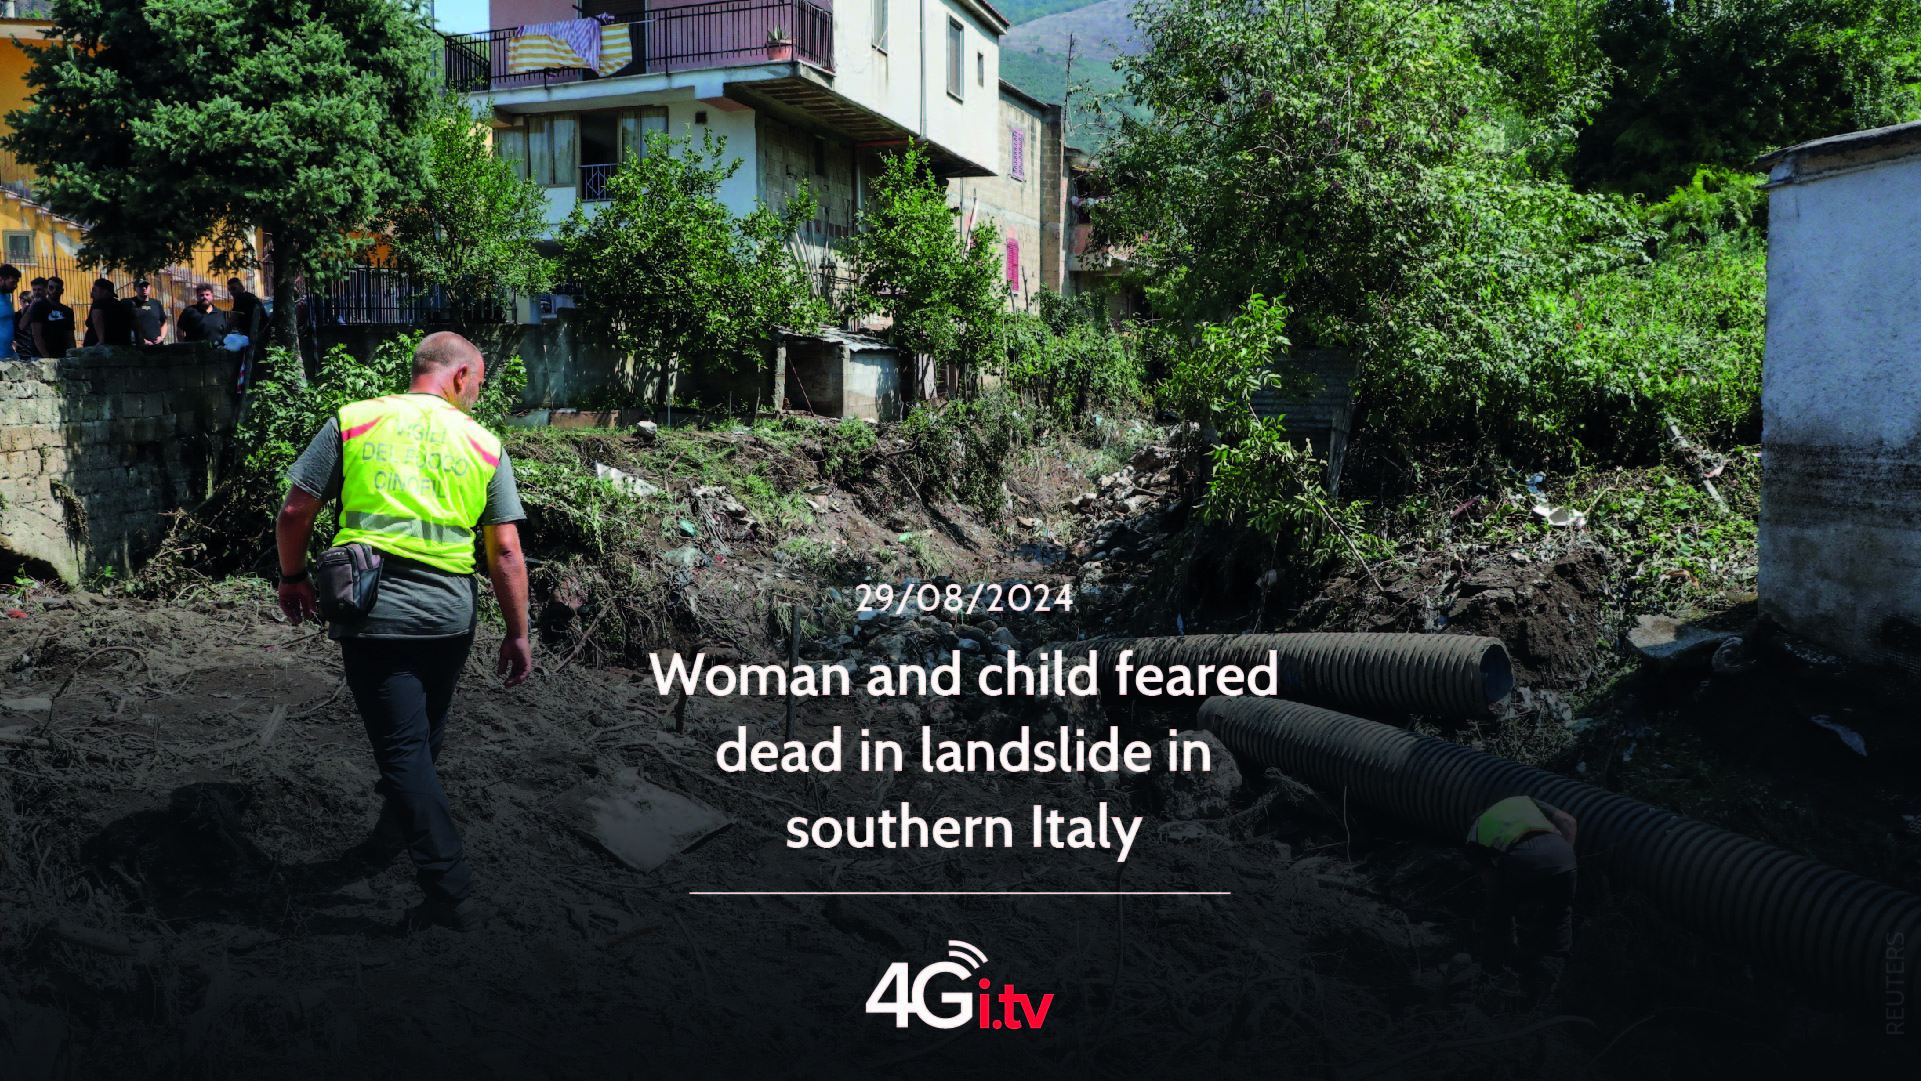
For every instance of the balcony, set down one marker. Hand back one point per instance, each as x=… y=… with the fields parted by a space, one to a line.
x=593 y=182
x=723 y=33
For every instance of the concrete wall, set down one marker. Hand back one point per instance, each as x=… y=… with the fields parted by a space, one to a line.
x=96 y=445
x=1840 y=534
x=561 y=367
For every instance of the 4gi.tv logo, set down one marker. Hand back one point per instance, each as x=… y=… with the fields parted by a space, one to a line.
x=910 y=995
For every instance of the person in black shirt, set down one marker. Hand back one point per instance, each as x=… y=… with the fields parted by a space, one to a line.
x=109 y=321
x=22 y=332
x=244 y=306
x=202 y=322
x=51 y=322
x=149 y=315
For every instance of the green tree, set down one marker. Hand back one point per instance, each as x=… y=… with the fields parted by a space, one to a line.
x=1718 y=82
x=674 y=278
x=474 y=226
x=168 y=125
x=942 y=290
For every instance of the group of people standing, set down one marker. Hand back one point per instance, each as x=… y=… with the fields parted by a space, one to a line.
x=44 y=326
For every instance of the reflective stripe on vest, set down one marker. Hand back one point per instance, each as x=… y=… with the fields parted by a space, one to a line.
x=1508 y=821
x=415 y=472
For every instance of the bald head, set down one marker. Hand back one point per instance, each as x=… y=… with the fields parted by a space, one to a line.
x=449 y=365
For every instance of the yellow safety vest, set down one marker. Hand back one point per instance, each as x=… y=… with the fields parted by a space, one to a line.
x=1501 y=825
x=415 y=473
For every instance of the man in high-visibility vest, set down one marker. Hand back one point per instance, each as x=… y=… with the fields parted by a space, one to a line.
x=414 y=474
x=1526 y=848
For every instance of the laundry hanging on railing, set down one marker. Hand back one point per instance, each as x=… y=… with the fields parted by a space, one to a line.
x=616 y=48
x=569 y=43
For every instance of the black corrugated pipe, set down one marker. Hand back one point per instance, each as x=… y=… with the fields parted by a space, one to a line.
x=1851 y=935
x=1450 y=675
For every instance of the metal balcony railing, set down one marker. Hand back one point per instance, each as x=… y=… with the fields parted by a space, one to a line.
x=724 y=33
x=593 y=182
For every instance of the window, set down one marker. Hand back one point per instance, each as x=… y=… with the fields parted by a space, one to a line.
x=820 y=156
x=880 y=25
x=636 y=125
x=980 y=69
x=20 y=248
x=1014 y=264
x=510 y=145
x=553 y=156
x=1017 y=155
x=956 y=56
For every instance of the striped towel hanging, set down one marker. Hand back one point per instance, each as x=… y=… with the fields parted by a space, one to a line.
x=616 y=48
x=569 y=43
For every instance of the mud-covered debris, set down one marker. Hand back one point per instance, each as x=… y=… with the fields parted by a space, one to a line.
x=641 y=824
x=1671 y=645
x=1196 y=793
x=687 y=557
x=626 y=482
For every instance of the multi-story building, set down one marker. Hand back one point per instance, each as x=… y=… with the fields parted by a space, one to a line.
x=802 y=91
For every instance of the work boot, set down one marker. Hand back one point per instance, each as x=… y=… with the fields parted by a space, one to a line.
x=461 y=915
x=381 y=847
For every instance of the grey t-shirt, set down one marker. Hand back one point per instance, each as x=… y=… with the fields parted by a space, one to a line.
x=415 y=600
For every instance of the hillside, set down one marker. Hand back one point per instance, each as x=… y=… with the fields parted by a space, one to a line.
x=1101 y=31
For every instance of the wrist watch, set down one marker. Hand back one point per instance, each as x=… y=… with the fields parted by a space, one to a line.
x=293 y=579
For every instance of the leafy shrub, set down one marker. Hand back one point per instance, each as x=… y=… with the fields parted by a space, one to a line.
x=1070 y=361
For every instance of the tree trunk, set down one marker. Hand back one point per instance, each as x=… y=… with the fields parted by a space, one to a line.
x=287 y=268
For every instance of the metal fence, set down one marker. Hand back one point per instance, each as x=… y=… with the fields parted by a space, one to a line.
x=723 y=33
x=374 y=292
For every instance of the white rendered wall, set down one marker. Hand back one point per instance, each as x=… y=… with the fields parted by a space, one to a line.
x=1840 y=535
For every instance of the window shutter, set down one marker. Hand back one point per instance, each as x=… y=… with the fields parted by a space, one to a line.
x=1018 y=165
x=1014 y=263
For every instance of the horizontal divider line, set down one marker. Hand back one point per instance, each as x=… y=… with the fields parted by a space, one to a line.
x=959 y=893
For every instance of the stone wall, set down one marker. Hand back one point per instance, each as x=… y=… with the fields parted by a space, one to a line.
x=96 y=445
x=1019 y=209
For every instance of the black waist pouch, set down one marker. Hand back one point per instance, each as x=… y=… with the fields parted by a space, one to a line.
x=346 y=582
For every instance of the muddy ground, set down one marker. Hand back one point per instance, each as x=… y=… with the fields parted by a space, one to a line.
x=173 y=905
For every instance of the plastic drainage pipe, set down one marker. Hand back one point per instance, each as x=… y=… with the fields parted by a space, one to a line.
x=1851 y=935
x=1453 y=675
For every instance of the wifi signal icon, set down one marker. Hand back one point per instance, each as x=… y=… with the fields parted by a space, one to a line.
x=971 y=956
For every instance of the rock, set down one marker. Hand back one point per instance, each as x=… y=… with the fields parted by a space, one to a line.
x=1029 y=523
x=1196 y=793
x=969 y=645
x=975 y=633
x=1672 y=646
x=646 y=431
x=891 y=646
x=1005 y=638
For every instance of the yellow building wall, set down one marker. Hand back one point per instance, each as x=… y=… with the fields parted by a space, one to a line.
x=52 y=241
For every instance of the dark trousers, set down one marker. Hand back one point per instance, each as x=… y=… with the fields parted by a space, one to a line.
x=1541 y=907
x=403 y=687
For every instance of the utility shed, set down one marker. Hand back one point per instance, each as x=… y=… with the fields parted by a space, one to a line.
x=1840 y=531
x=1322 y=416
x=837 y=374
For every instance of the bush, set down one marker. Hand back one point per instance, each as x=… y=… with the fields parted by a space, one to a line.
x=1071 y=362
